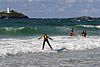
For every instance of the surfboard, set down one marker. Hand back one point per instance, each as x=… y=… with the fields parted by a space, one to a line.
x=60 y=49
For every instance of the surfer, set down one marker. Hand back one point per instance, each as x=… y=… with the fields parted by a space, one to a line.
x=45 y=37
x=84 y=33
x=72 y=32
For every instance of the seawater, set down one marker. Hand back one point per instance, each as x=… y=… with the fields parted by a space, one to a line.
x=20 y=47
x=29 y=27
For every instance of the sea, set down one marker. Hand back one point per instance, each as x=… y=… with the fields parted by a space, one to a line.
x=20 y=47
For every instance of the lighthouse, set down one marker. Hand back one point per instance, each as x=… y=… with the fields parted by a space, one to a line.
x=8 y=10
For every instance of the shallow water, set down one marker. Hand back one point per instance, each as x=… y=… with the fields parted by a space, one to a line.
x=26 y=52
x=86 y=58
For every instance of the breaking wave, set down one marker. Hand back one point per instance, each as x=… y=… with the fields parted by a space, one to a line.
x=90 y=26
x=13 y=46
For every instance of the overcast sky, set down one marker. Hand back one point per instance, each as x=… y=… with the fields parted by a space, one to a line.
x=53 y=8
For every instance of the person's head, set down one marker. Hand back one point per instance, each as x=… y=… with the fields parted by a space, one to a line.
x=72 y=30
x=45 y=34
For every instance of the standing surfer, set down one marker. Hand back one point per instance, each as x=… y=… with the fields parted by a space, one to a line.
x=45 y=37
x=72 y=32
x=84 y=33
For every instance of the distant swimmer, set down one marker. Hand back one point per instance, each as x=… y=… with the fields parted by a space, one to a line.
x=84 y=33
x=45 y=37
x=71 y=33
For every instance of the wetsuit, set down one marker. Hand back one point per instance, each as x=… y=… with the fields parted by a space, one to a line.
x=45 y=40
x=84 y=33
x=71 y=33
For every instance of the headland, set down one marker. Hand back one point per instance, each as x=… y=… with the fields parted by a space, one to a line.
x=12 y=14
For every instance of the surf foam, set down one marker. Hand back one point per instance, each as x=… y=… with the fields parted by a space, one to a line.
x=32 y=44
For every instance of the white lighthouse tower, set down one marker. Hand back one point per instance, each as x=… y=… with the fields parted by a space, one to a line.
x=8 y=10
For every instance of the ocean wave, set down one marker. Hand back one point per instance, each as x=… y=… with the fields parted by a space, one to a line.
x=12 y=28
x=89 y=26
x=14 y=46
x=33 y=30
x=17 y=30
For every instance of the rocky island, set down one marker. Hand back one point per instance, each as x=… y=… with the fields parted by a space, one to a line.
x=12 y=14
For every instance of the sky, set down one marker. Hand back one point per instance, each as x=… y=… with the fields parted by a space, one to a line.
x=53 y=8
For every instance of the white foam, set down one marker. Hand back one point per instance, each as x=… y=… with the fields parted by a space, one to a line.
x=91 y=26
x=98 y=26
x=25 y=45
x=11 y=28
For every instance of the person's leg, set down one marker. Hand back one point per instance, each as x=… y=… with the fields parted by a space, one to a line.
x=49 y=44
x=43 y=45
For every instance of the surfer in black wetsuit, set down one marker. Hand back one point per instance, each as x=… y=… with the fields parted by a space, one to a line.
x=72 y=32
x=84 y=33
x=45 y=36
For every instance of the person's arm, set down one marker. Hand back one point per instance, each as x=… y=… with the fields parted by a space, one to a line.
x=40 y=37
x=50 y=38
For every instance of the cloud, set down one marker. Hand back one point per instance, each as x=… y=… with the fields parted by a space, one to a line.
x=30 y=0
x=21 y=0
x=40 y=0
x=85 y=11
x=88 y=1
x=61 y=9
x=90 y=10
x=66 y=1
x=69 y=1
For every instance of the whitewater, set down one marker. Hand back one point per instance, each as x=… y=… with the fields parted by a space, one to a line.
x=20 y=47
x=27 y=52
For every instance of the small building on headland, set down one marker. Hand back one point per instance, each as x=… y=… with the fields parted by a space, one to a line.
x=12 y=14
